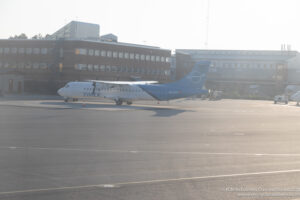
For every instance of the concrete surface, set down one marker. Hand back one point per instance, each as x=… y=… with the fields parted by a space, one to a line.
x=229 y=149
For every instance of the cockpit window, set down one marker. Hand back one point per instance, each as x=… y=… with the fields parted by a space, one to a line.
x=67 y=86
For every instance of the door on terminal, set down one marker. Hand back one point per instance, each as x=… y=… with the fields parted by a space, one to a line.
x=10 y=85
x=19 y=87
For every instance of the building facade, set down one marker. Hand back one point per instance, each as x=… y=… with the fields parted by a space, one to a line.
x=46 y=65
x=242 y=73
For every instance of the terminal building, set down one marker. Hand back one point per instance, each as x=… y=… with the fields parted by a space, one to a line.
x=72 y=54
x=243 y=73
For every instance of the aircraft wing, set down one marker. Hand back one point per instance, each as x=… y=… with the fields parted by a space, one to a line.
x=124 y=82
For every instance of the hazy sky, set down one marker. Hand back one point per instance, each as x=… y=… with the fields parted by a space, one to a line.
x=232 y=24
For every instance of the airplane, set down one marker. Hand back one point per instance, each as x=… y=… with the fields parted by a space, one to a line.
x=122 y=91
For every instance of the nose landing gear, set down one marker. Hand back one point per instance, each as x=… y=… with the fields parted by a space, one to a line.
x=68 y=99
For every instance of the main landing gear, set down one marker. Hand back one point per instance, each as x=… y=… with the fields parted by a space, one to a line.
x=120 y=102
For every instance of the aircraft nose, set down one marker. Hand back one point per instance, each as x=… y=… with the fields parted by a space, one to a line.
x=60 y=91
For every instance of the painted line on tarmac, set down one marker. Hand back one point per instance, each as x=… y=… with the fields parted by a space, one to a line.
x=117 y=185
x=86 y=107
x=34 y=106
x=157 y=152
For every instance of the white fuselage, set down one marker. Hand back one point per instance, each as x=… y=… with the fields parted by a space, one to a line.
x=88 y=90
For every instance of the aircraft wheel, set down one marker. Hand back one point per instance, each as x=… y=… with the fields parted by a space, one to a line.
x=129 y=102
x=66 y=100
x=119 y=102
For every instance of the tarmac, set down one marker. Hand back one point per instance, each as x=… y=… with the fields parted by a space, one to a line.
x=184 y=149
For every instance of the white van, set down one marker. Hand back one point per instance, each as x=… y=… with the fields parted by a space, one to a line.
x=281 y=98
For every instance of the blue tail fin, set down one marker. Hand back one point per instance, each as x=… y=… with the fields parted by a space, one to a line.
x=191 y=84
x=196 y=78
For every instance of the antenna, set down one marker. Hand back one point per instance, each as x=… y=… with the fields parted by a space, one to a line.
x=207 y=25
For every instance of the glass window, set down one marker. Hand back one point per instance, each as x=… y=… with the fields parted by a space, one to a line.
x=5 y=65
x=162 y=59
x=131 y=56
x=35 y=65
x=6 y=50
x=115 y=54
x=167 y=72
x=28 y=65
x=20 y=66
x=113 y=68
x=14 y=50
x=137 y=56
x=142 y=57
x=109 y=53
x=97 y=53
x=118 y=69
x=103 y=53
x=80 y=66
x=36 y=51
x=157 y=71
x=102 y=68
x=107 y=68
x=44 y=51
x=120 y=54
x=81 y=51
x=96 y=67
x=152 y=58
x=168 y=59
x=91 y=52
x=61 y=52
x=28 y=50
x=90 y=67
x=83 y=67
x=147 y=57
x=126 y=55
x=157 y=59
x=43 y=66
x=12 y=65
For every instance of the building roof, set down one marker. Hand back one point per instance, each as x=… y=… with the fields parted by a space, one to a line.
x=239 y=54
x=90 y=41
